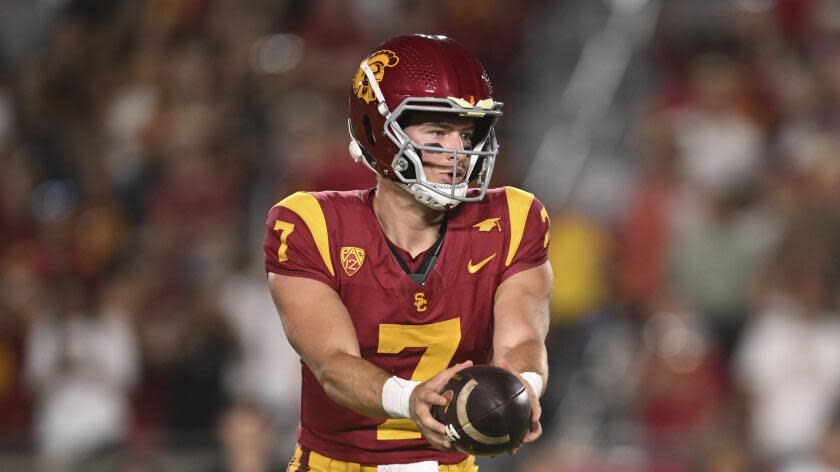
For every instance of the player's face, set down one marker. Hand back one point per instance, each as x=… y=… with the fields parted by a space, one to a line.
x=450 y=132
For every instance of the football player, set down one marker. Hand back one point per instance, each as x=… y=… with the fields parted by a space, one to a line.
x=386 y=293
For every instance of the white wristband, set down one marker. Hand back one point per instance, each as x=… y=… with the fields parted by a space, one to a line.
x=396 y=396
x=535 y=380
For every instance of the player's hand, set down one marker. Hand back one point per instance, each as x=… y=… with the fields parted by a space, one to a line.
x=426 y=395
x=535 y=430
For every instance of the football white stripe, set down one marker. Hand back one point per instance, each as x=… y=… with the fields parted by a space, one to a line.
x=464 y=420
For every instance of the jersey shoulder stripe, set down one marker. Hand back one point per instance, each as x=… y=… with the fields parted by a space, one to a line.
x=518 y=203
x=308 y=208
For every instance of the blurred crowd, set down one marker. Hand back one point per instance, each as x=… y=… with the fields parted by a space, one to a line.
x=704 y=317
x=142 y=143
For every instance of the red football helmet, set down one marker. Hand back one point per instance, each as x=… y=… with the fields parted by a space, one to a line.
x=429 y=74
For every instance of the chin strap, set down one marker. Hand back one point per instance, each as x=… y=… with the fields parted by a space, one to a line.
x=430 y=198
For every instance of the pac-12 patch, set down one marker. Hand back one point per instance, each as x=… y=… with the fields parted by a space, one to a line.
x=352 y=259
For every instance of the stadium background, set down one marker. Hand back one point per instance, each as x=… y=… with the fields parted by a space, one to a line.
x=688 y=152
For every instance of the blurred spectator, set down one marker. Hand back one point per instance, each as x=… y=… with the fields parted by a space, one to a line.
x=715 y=261
x=82 y=362
x=267 y=370
x=646 y=225
x=17 y=183
x=682 y=384
x=245 y=435
x=789 y=361
x=579 y=253
x=188 y=347
x=20 y=292
x=716 y=249
x=716 y=133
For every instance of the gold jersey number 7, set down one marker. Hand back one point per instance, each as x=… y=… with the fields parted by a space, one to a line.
x=441 y=342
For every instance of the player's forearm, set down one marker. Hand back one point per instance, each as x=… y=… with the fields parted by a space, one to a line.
x=522 y=319
x=353 y=383
x=526 y=356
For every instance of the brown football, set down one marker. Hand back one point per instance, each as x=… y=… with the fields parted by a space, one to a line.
x=488 y=413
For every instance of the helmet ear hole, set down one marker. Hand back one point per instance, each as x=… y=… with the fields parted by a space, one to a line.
x=482 y=128
x=479 y=166
x=368 y=131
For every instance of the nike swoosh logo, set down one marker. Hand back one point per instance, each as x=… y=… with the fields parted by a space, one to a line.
x=477 y=267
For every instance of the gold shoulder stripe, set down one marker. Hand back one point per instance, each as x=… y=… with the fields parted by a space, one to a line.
x=306 y=206
x=545 y=218
x=519 y=202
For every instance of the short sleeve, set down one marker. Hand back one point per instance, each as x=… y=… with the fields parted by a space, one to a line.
x=296 y=241
x=529 y=226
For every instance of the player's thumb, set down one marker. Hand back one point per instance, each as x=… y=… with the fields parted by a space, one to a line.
x=461 y=366
x=444 y=376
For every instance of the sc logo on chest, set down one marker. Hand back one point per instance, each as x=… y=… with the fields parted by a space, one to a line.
x=420 y=302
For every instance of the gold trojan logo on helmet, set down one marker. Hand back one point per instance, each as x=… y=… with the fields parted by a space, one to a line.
x=377 y=62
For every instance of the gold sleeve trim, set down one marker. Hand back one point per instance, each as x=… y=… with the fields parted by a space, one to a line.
x=519 y=202
x=306 y=206
x=545 y=219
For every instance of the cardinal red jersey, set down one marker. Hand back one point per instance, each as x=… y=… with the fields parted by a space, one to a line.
x=408 y=329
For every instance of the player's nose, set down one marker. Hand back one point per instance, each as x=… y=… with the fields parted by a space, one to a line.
x=454 y=141
x=450 y=143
